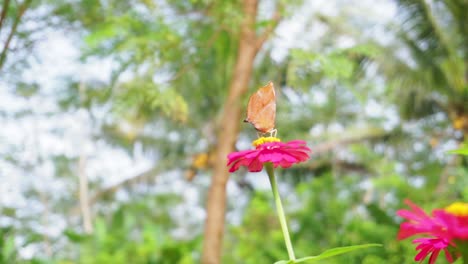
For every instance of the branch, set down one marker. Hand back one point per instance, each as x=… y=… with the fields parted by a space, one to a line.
x=270 y=28
x=341 y=164
x=83 y=194
x=208 y=45
x=45 y=221
x=339 y=143
x=128 y=182
x=114 y=188
x=5 y=5
x=21 y=12
x=318 y=149
x=331 y=145
x=444 y=177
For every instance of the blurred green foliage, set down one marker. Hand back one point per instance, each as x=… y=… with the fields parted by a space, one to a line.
x=137 y=232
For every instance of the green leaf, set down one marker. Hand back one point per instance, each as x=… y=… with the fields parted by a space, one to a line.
x=285 y=262
x=8 y=250
x=74 y=236
x=328 y=253
x=102 y=33
x=461 y=151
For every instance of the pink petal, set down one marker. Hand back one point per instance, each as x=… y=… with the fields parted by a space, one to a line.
x=255 y=165
x=278 y=153
x=419 y=223
x=456 y=226
x=434 y=256
x=425 y=250
x=448 y=256
x=431 y=246
x=407 y=230
x=416 y=209
x=285 y=164
x=242 y=160
x=233 y=156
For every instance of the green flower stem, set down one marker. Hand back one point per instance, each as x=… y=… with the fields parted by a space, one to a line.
x=280 y=211
x=463 y=247
x=465 y=258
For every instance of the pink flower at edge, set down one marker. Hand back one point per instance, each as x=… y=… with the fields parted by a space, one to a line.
x=278 y=153
x=458 y=225
x=432 y=247
x=418 y=223
x=443 y=229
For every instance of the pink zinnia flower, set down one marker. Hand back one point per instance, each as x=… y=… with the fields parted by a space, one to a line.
x=455 y=217
x=445 y=228
x=432 y=246
x=420 y=222
x=269 y=149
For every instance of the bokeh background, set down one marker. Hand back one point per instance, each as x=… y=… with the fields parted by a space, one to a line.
x=113 y=117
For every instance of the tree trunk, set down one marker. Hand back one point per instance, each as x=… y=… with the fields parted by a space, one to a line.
x=227 y=135
x=82 y=176
x=21 y=10
x=84 y=197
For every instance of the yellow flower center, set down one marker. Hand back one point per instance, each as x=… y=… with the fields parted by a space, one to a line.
x=262 y=140
x=457 y=209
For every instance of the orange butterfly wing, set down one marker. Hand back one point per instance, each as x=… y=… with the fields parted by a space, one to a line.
x=261 y=109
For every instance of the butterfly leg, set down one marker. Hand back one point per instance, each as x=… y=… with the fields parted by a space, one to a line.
x=273 y=132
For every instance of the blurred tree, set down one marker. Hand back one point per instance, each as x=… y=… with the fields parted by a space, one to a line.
x=430 y=75
x=203 y=51
x=249 y=45
x=179 y=72
x=11 y=16
x=146 y=233
x=433 y=77
x=22 y=24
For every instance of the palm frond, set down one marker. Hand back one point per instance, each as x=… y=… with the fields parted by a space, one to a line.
x=433 y=78
x=459 y=16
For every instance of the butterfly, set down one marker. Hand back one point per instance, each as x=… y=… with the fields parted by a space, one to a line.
x=261 y=109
